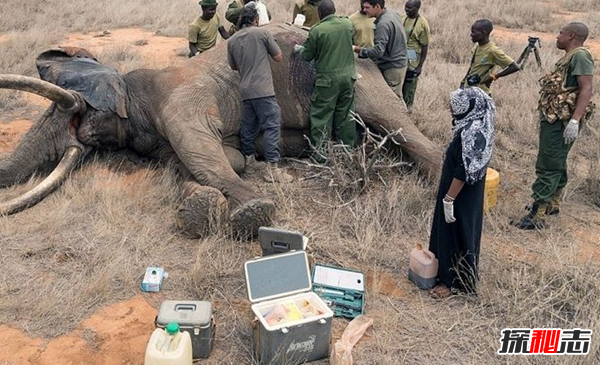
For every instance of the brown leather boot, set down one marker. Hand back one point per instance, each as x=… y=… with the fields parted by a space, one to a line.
x=253 y=166
x=535 y=219
x=274 y=173
x=554 y=205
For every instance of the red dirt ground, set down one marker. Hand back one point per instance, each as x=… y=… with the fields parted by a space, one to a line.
x=10 y=134
x=117 y=334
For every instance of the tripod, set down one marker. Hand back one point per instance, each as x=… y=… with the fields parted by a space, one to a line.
x=530 y=47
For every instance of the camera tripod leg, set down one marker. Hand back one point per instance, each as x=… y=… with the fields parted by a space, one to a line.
x=523 y=58
x=537 y=57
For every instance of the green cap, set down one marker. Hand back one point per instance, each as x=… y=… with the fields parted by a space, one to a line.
x=208 y=3
x=172 y=328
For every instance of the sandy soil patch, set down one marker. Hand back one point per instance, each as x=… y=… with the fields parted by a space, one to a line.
x=36 y=100
x=547 y=39
x=154 y=49
x=11 y=133
x=116 y=334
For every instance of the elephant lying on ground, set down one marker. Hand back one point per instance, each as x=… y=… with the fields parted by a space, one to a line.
x=188 y=116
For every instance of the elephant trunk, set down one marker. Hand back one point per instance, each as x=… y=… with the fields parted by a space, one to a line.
x=48 y=138
x=44 y=144
x=53 y=181
x=387 y=113
x=426 y=154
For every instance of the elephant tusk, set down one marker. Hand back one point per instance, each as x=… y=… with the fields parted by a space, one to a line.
x=50 y=183
x=65 y=99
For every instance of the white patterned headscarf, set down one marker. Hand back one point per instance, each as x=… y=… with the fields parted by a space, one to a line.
x=474 y=112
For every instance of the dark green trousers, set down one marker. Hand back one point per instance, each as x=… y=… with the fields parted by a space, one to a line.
x=551 y=164
x=409 y=89
x=331 y=103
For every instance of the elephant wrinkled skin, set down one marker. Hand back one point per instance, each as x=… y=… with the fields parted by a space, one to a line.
x=188 y=116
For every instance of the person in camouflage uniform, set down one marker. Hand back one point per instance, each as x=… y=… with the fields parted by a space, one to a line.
x=329 y=44
x=564 y=104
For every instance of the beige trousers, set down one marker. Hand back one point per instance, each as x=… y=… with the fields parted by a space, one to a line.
x=395 y=79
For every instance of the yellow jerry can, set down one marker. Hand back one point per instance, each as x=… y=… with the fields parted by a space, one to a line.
x=492 y=180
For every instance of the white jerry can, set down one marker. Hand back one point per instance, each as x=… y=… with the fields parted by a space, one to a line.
x=169 y=347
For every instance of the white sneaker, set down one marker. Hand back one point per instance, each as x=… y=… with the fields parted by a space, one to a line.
x=274 y=174
x=253 y=166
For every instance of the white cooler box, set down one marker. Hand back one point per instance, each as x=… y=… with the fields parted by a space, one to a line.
x=293 y=324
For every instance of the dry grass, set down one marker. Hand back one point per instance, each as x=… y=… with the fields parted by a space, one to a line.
x=88 y=244
x=123 y=56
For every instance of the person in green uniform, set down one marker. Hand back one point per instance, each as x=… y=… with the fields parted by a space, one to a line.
x=233 y=14
x=364 y=28
x=486 y=56
x=417 y=32
x=308 y=8
x=565 y=102
x=329 y=44
x=203 y=31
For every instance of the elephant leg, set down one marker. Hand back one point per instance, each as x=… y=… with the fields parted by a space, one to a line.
x=292 y=143
x=196 y=140
x=203 y=211
x=236 y=159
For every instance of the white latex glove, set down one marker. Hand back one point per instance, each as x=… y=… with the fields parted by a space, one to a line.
x=298 y=48
x=448 y=211
x=571 y=131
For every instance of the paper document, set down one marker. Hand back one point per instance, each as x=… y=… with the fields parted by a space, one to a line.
x=339 y=278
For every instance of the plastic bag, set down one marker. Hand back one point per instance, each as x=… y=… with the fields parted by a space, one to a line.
x=341 y=352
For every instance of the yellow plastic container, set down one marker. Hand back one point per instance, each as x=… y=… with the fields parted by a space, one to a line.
x=492 y=180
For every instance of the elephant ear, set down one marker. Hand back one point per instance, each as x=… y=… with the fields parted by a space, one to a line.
x=74 y=68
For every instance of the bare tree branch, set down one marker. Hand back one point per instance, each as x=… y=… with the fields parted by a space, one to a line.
x=348 y=171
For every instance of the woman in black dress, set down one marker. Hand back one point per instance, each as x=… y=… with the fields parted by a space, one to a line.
x=457 y=223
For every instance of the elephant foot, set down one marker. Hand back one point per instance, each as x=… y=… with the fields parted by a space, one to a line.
x=253 y=214
x=204 y=211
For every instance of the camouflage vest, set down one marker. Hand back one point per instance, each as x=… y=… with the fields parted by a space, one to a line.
x=557 y=102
